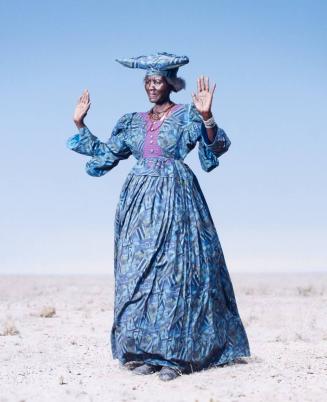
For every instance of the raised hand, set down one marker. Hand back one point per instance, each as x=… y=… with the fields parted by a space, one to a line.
x=82 y=107
x=203 y=98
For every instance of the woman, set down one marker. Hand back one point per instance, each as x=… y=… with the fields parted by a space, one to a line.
x=175 y=309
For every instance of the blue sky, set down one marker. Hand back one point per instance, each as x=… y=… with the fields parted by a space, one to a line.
x=268 y=197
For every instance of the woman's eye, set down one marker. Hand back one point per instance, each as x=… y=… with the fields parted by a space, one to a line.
x=154 y=82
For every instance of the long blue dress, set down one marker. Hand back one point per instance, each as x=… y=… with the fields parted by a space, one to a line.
x=174 y=300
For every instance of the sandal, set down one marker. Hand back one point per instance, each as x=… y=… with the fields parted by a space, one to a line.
x=131 y=365
x=145 y=369
x=169 y=373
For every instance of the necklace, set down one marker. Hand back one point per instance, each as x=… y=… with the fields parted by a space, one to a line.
x=160 y=119
x=156 y=115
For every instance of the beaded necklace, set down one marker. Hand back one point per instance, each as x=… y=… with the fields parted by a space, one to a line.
x=155 y=116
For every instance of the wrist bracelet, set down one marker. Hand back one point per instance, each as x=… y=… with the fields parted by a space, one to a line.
x=210 y=123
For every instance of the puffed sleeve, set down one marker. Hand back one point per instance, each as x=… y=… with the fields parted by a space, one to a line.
x=104 y=155
x=208 y=152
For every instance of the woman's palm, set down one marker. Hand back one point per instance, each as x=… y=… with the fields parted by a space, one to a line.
x=82 y=107
x=203 y=98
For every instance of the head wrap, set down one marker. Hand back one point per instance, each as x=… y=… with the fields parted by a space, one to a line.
x=161 y=63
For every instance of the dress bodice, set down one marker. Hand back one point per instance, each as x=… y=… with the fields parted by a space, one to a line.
x=151 y=147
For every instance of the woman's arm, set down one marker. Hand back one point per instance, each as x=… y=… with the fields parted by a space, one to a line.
x=211 y=131
x=203 y=101
x=214 y=138
x=84 y=142
x=104 y=155
x=213 y=141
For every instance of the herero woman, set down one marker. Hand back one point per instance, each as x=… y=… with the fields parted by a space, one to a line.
x=175 y=309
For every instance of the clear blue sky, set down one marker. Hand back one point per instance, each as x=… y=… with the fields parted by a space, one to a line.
x=268 y=197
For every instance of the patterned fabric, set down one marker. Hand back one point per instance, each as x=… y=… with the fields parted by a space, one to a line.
x=161 y=63
x=174 y=300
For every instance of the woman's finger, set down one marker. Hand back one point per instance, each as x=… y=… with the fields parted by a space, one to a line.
x=199 y=85
x=203 y=84
x=206 y=82
x=213 y=89
x=86 y=104
x=85 y=95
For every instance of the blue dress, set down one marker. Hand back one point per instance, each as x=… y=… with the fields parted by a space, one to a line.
x=174 y=300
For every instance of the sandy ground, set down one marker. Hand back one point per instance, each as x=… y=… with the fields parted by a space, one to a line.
x=55 y=344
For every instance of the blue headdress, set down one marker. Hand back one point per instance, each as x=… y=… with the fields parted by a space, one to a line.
x=161 y=63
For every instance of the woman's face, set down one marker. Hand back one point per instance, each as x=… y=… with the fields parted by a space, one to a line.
x=157 y=88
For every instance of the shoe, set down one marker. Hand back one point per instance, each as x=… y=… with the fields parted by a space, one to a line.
x=168 y=373
x=145 y=369
x=131 y=365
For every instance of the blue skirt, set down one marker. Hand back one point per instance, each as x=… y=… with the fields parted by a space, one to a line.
x=174 y=300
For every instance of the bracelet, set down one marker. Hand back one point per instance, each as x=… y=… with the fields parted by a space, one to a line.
x=210 y=123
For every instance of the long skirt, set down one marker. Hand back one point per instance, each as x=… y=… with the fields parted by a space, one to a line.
x=174 y=300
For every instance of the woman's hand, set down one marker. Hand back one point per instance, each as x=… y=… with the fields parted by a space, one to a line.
x=82 y=107
x=203 y=99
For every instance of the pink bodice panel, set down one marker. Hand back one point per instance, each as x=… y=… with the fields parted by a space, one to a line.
x=151 y=147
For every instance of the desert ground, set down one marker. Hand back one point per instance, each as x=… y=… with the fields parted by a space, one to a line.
x=54 y=343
